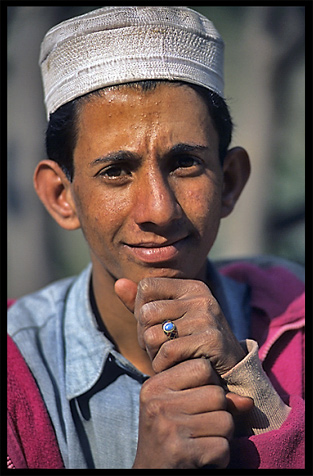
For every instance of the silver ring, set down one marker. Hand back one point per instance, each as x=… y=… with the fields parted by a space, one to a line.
x=169 y=329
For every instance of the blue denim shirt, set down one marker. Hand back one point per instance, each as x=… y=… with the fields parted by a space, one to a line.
x=90 y=390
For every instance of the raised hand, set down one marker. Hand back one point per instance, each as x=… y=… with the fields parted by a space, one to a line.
x=202 y=327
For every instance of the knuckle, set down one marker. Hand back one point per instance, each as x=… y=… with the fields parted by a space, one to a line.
x=212 y=339
x=144 y=285
x=204 y=302
x=147 y=313
x=201 y=287
x=153 y=405
x=202 y=369
x=201 y=321
x=227 y=425
x=152 y=389
x=208 y=335
x=147 y=391
x=154 y=408
x=150 y=337
x=223 y=453
x=220 y=397
x=167 y=350
x=218 y=453
x=166 y=357
x=204 y=366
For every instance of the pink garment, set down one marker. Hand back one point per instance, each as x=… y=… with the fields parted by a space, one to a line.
x=31 y=440
x=277 y=300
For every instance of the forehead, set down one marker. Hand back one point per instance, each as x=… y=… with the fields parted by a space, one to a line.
x=131 y=117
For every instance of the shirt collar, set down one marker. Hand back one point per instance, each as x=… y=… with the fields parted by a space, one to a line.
x=87 y=349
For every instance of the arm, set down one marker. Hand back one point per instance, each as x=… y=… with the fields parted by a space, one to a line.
x=31 y=441
x=249 y=379
x=273 y=434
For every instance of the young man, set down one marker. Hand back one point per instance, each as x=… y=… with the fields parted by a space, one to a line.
x=151 y=358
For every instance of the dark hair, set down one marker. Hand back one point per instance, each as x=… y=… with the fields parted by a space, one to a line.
x=61 y=134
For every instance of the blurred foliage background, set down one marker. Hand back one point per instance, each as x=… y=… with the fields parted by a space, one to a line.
x=264 y=87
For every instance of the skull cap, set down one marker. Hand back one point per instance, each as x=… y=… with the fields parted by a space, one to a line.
x=116 y=45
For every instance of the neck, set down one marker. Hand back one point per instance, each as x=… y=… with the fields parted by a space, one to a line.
x=119 y=321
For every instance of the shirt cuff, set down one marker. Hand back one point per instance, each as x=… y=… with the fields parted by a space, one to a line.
x=248 y=379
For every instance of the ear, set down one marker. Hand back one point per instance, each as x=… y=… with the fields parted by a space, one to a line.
x=236 y=170
x=54 y=190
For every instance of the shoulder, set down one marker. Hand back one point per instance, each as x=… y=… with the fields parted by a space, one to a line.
x=36 y=323
x=276 y=284
x=37 y=309
x=261 y=264
x=25 y=408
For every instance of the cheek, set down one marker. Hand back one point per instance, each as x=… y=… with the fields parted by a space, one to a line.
x=92 y=209
x=101 y=214
x=202 y=205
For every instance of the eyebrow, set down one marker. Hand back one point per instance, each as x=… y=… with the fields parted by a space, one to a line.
x=183 y=148
x=118 y=156
x=122 y=155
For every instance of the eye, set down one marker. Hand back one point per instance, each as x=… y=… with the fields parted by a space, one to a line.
x=115 y=172
x=186 y=165
x=186 y=161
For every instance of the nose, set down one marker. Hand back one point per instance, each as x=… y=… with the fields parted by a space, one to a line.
x=155 y=201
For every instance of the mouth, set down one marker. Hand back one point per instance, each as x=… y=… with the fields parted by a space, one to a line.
x=151 y=252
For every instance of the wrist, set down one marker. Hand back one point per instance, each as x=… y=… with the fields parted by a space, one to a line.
x=248 y=379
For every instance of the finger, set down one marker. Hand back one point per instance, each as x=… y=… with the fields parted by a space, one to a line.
x=168 y=352
x=188 y=322
x=203 y=453
x=126 y=290
x=150 y=318
x=208 y=424
x=212 y=452
x=154 y=289
x=201 y=400
x=237 y=404
x=195 y=338
x=171 y=352
x=156 y=312
x=187 y=374
x=179 y=404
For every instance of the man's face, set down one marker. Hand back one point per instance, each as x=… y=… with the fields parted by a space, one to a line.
x=148 y=181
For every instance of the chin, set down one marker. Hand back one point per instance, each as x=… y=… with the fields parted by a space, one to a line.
x=165 y=272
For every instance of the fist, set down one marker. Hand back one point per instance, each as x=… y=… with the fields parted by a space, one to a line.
x=183 y=421
x=202 y=327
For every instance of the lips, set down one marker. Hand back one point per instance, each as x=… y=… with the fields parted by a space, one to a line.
x=152 y=252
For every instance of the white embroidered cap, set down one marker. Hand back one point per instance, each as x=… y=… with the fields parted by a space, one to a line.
x=116 y=45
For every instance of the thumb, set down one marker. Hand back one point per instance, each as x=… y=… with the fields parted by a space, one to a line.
x=126 y=290
x=237 y=404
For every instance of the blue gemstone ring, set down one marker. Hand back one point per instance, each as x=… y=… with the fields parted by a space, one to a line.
x=169 y=329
